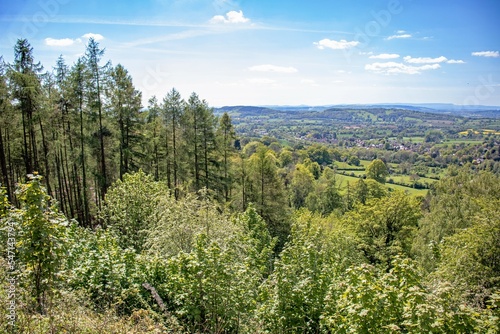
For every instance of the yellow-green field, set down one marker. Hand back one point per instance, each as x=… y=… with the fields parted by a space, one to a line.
x=344 y=179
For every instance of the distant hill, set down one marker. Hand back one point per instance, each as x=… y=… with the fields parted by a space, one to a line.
x=434 y=108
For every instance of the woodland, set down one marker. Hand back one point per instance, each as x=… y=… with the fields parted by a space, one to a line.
x=176 y=217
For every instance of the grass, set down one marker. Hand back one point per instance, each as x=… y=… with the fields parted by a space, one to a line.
x=408 y=180
x=343 y=179
x=460 y=141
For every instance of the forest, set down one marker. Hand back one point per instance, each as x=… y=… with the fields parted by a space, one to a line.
x=176 y=217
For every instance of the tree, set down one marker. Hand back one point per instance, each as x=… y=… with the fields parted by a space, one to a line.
x=266 y=191
x=125 y=105
x=41 y=241
x=93 y=56
x=302 y=184
x=130 y=208
x=152 y=134
x=319 y=153
x=386 y=226
x=225 y=144
x=76 y=82
x=456 y=202
x=26 y=90
x=198 y=124
x=470 y=258
x=433 y=136
x=370 y=300
x=293 y=298
x=4 y=106
x=325 y=197
x=172 y=112
x=377 y=170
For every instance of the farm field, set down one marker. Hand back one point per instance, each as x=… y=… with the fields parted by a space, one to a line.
x=344 y=179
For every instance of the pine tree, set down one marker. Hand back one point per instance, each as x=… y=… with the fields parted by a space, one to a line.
x=172 y=113
x=26 y=90
x=153 y=129
x=93 y=56
x=125 y=106
x=76 y=90
x=4 y=106
x=225 y=143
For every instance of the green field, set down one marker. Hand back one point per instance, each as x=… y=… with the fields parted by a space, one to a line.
x=408 y=180
x=344 y=179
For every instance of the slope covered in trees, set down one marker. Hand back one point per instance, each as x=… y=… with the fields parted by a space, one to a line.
x=160 y=219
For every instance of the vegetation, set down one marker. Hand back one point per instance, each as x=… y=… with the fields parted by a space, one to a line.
x=172 y=218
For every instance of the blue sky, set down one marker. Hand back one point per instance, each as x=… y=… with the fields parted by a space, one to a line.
x=234 y=52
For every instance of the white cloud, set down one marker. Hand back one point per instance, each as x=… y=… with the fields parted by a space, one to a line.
x=454 y=61
x=231 y=17
x=273 y=68
x=399 y=68
x=335 y=45
x=385 y=56
x=424 y=60
x=60 y=42
x=96 y=37
x=399 y=36
x=492 y=54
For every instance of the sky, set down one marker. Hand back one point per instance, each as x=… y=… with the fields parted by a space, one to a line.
x=294 y=52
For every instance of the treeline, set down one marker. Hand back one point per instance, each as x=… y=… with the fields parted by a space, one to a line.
x=83 y=127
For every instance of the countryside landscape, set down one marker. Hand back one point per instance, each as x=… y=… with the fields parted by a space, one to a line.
x=220 y=167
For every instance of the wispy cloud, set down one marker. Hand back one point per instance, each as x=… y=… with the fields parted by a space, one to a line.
x=335 y=45
x=232 y=17
x=61 y=42
x=492 y=54
x=454 y=61
x=425 y=60
x=400 y=35
x=385 y=56
x=97 y=37
x=191 y=33
x=399 y=68
x=273 y=68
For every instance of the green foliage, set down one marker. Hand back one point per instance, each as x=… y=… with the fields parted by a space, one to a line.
x=209 y=289
x=457 y=202
x=353 y=160
x=293 y=296
x=433 y=136
x=377 y=170
x=368 y=300
x=266 y=192
x=179 y=222
x=259 y=243
x=386 y=226
x=40 y=241
x=131 y=206
x=470 y=258
x=301 y=185
x=325 y=197
x=4 y=202
x=319 y=154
